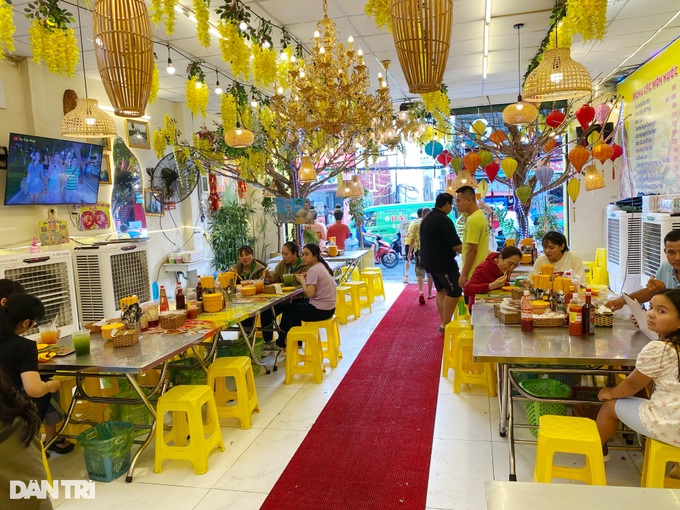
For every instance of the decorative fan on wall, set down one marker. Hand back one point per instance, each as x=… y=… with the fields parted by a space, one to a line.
x=175 y=176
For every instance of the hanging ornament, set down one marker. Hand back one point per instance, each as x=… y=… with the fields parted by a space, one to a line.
x=579 y=156
x=602 y=152
x=523 y=193
x=444 y=158
x=478 y=128
x=509 y=165
x=457 y=164
x=214 y=202
x=433 y=148
x=544 y=174
x=593 y=138
x=242 y=188
x=617 y=151
x=573 y=188
x=491 y=170
x=485 y=157
x=549 y=145
x=482 y=188
x=555 y=119
x=497 y=137
x=602 y=112
x=585 y=115
x=471 y=162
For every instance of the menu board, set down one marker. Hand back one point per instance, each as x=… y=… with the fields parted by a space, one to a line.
x=652 y=110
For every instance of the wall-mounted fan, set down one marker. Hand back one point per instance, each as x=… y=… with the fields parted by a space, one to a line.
x=176 y=175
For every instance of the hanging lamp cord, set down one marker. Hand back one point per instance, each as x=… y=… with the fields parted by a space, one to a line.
x=82 y=49
x=519 y=26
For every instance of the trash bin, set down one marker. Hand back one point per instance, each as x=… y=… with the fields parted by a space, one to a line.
x=137 y=414
x=544 y=388
x=239 y=348
x=107 y=450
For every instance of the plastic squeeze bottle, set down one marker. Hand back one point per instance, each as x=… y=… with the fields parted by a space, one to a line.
x=588 y=315
x=575 y=317
x=527 y=321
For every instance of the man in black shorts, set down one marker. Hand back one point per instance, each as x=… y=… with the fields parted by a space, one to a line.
x=439 y=244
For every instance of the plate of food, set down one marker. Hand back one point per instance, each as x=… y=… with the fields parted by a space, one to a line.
x=508 y=288
x=288 y=289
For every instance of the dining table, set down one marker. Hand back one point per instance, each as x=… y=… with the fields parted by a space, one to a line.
x=348 y=260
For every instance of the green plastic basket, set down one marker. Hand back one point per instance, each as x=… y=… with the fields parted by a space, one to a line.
x=544 y=388
x=137 y=414
x=107 y=450
x=239 y=348
x=186 y=371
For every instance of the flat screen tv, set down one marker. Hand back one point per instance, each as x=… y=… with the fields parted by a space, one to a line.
x=45 y=171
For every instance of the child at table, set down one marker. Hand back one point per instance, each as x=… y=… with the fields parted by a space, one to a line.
x=659 y=361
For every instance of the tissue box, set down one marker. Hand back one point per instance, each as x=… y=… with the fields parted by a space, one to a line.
x=192 y=256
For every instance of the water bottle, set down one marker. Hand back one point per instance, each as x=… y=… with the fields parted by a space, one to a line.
x=351 y=244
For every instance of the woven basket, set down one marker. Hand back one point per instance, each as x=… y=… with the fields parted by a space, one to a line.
x=173 y=320
x=549 y=322
x=125 y=338
x=509 y=318
x=604 y=320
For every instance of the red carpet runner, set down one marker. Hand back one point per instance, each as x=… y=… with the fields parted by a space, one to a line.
x=370 y=447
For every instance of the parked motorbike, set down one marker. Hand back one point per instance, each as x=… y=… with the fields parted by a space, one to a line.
x=384 y=253
x=396 y=244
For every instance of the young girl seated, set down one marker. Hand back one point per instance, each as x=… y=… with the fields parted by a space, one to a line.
x=659 y=361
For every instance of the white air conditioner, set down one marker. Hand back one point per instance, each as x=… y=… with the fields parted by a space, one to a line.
x=655 y=226
x=106 y=273
x=624 y=242
x=49 y=277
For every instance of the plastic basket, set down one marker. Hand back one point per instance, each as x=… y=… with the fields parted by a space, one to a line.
x=186 y=371
x=107 y=450
x=137 y=414
x=239 y=348
x=585 y=410
x=544 y=388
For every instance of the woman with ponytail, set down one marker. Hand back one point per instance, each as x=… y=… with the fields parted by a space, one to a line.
x=318 y=285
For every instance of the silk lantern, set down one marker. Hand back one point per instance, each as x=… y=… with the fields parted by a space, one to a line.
x=573 y=188
x=444 y=158
x=585 y=115
x=471 y=162
x=544 y=174
x=602 y=112
x=482 y=188
x=478 y=127
x=509 y=165
x=497 y=137
x=602 y=152
x=594 y=138
x=555 y=119
x=433 y=148
x=617 y=151
x=579 y=156
x=491 y=170
x=549 y=145
x=485 y=157
x=523 y=193
x=457 y=164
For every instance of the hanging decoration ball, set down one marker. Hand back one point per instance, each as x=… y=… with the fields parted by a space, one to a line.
x=523 y=193
x=509 y=165
x=579 y=156
x=214 y=202
x=602 y=112
x=478 y=127
x=482 y=188
x=555 y=119
x=549 y=145
x=602 y=152
x=573 y=188
x=433 y=148
x=471 y=161
x=617 y=151
x=485 y=157
x=491 y=170
x=544 y=174
x=593 y=138
x=444 y=158
x=497 y=137
x=585 y=115
x=457 y=164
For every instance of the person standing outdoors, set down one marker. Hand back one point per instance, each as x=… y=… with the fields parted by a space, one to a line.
x=339 y=230
x=476 y=234
x=408 y=240
x=414 y=252
x=439 y=244
x=317 y=227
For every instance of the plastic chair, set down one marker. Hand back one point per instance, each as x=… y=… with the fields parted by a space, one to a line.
x=346 y=304
x=189 y=431
x=245 y=396
x=331 y=345
x=468 y=371
x=360 y=294
x=374 y=281
x=308 y=362
x=48 y=473
x=569 y=434
x=657 y=455
x=453 y=329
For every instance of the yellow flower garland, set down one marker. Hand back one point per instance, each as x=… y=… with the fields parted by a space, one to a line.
x=156 y=11
x=379 y=10
x=264 y=66
x=7 y=29
x=164 y=136
x=252 y=164
x=56 y=47
x=561 y=37
x=169 y=11
x=437 y=103
x=283 y=67
x=197 y=96
x=202 y=25
x=266 y=118
x=155 y=84
x=229 y=113
x=587 y=18
x=234 y=50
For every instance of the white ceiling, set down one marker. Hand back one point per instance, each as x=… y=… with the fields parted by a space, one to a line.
x=640 y=28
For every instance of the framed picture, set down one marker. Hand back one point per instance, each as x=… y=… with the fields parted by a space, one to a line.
x=105 y=171
x=153 y=202
x=137 y=132
x=205 y=186
x=104 y=142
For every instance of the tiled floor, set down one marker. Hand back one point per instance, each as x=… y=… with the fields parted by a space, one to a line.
x=467 y=449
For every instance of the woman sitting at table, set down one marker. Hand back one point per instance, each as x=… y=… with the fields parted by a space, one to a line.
x=318 y=285
x=556 y=252
x=493 y=273
x=291 y=262
x=249 y=268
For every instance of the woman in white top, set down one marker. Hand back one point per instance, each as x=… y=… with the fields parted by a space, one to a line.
x=556 y=252
x=318 y=285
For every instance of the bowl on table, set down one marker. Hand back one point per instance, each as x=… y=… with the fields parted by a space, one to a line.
x=248 y=290
x=539 y=306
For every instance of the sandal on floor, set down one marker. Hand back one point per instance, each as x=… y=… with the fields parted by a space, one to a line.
x=61 y=450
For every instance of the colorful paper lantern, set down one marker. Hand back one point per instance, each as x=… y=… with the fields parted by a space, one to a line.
x=602 y=112
x=509 y=165
x=492 y=170
x=549 y=145
x=544 y=174
x=457 y=164
x=485 y=157
x=478 y=127
x=594 y=138
x=602 y=152
x=573 y=189
x=482 y=188
x=497 y=137
x=433 y=148
x=579 y=156
x=444 y=158
x=471 y=162
x=523 y=193
x=585 y=115
x=555 y=119
x=617 y=151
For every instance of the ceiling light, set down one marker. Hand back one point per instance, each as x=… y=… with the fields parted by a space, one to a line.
x=557 y=77
x=218 y=89
x=171 y=68
x=243 y=26
x=519 y=113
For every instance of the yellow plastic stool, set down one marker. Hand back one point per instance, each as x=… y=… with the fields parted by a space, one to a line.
x=453 y=329
x=374 y=281
x=360 y=294
x=331 y=345
x=241 y=369
x=48 y=473
x=311 y=361
x=569 y=434
x=188 y=432
x=657 y=455
x=346 y=304
x=467 y=371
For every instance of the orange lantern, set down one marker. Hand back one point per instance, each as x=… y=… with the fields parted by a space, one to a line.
x=602 y=152
x=471 y=161
x=579 y=156
x=497 y=137
x=549 y=145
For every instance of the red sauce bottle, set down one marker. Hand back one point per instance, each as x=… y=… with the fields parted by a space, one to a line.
x=575 y=317
x=527 y=321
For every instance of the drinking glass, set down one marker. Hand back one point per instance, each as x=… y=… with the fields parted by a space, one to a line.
x=48 y=333
x=81 y=342
x=288 y=280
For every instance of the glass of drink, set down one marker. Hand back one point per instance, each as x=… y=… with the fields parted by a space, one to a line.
x=259 y=286
x=81 y=342
x=48 y=333
x=152 y=314
x=288 y=280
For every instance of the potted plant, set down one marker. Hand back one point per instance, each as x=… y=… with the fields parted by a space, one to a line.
x=229 y=230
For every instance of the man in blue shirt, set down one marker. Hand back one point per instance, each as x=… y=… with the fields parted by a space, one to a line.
x=666 y=276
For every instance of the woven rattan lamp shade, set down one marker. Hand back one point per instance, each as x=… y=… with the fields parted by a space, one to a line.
x=421 y=30
x=239 y=138
x=520 y=113
x=557 y=77
x=356 y=189
x=123 y=46
x=86 y=120
x=306 y=172
x=344 y=188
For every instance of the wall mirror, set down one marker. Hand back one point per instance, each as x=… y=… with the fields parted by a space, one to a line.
x=127 y=199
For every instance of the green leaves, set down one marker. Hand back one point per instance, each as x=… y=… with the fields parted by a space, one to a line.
x=50 y=13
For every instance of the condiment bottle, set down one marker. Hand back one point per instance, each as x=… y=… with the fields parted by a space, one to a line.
x=588 y=313
x=164 y=306
x=527 y=312
x=575 y=317
x=192 y=308
x=199 y=290
x=180 y=302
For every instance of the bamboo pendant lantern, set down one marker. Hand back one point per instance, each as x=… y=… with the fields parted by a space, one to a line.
x=124 y=50
x=422 y=35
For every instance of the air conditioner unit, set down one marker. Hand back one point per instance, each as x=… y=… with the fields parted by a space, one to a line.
x=105 y=273
x=624 y=241
x=655 y=226
x=48 y=276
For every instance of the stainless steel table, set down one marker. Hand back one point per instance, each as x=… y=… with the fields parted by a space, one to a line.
x=349 y=258
x=563 y=496
x=509 y=345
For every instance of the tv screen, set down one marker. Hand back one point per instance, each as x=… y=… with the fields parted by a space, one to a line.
x=43 y=171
